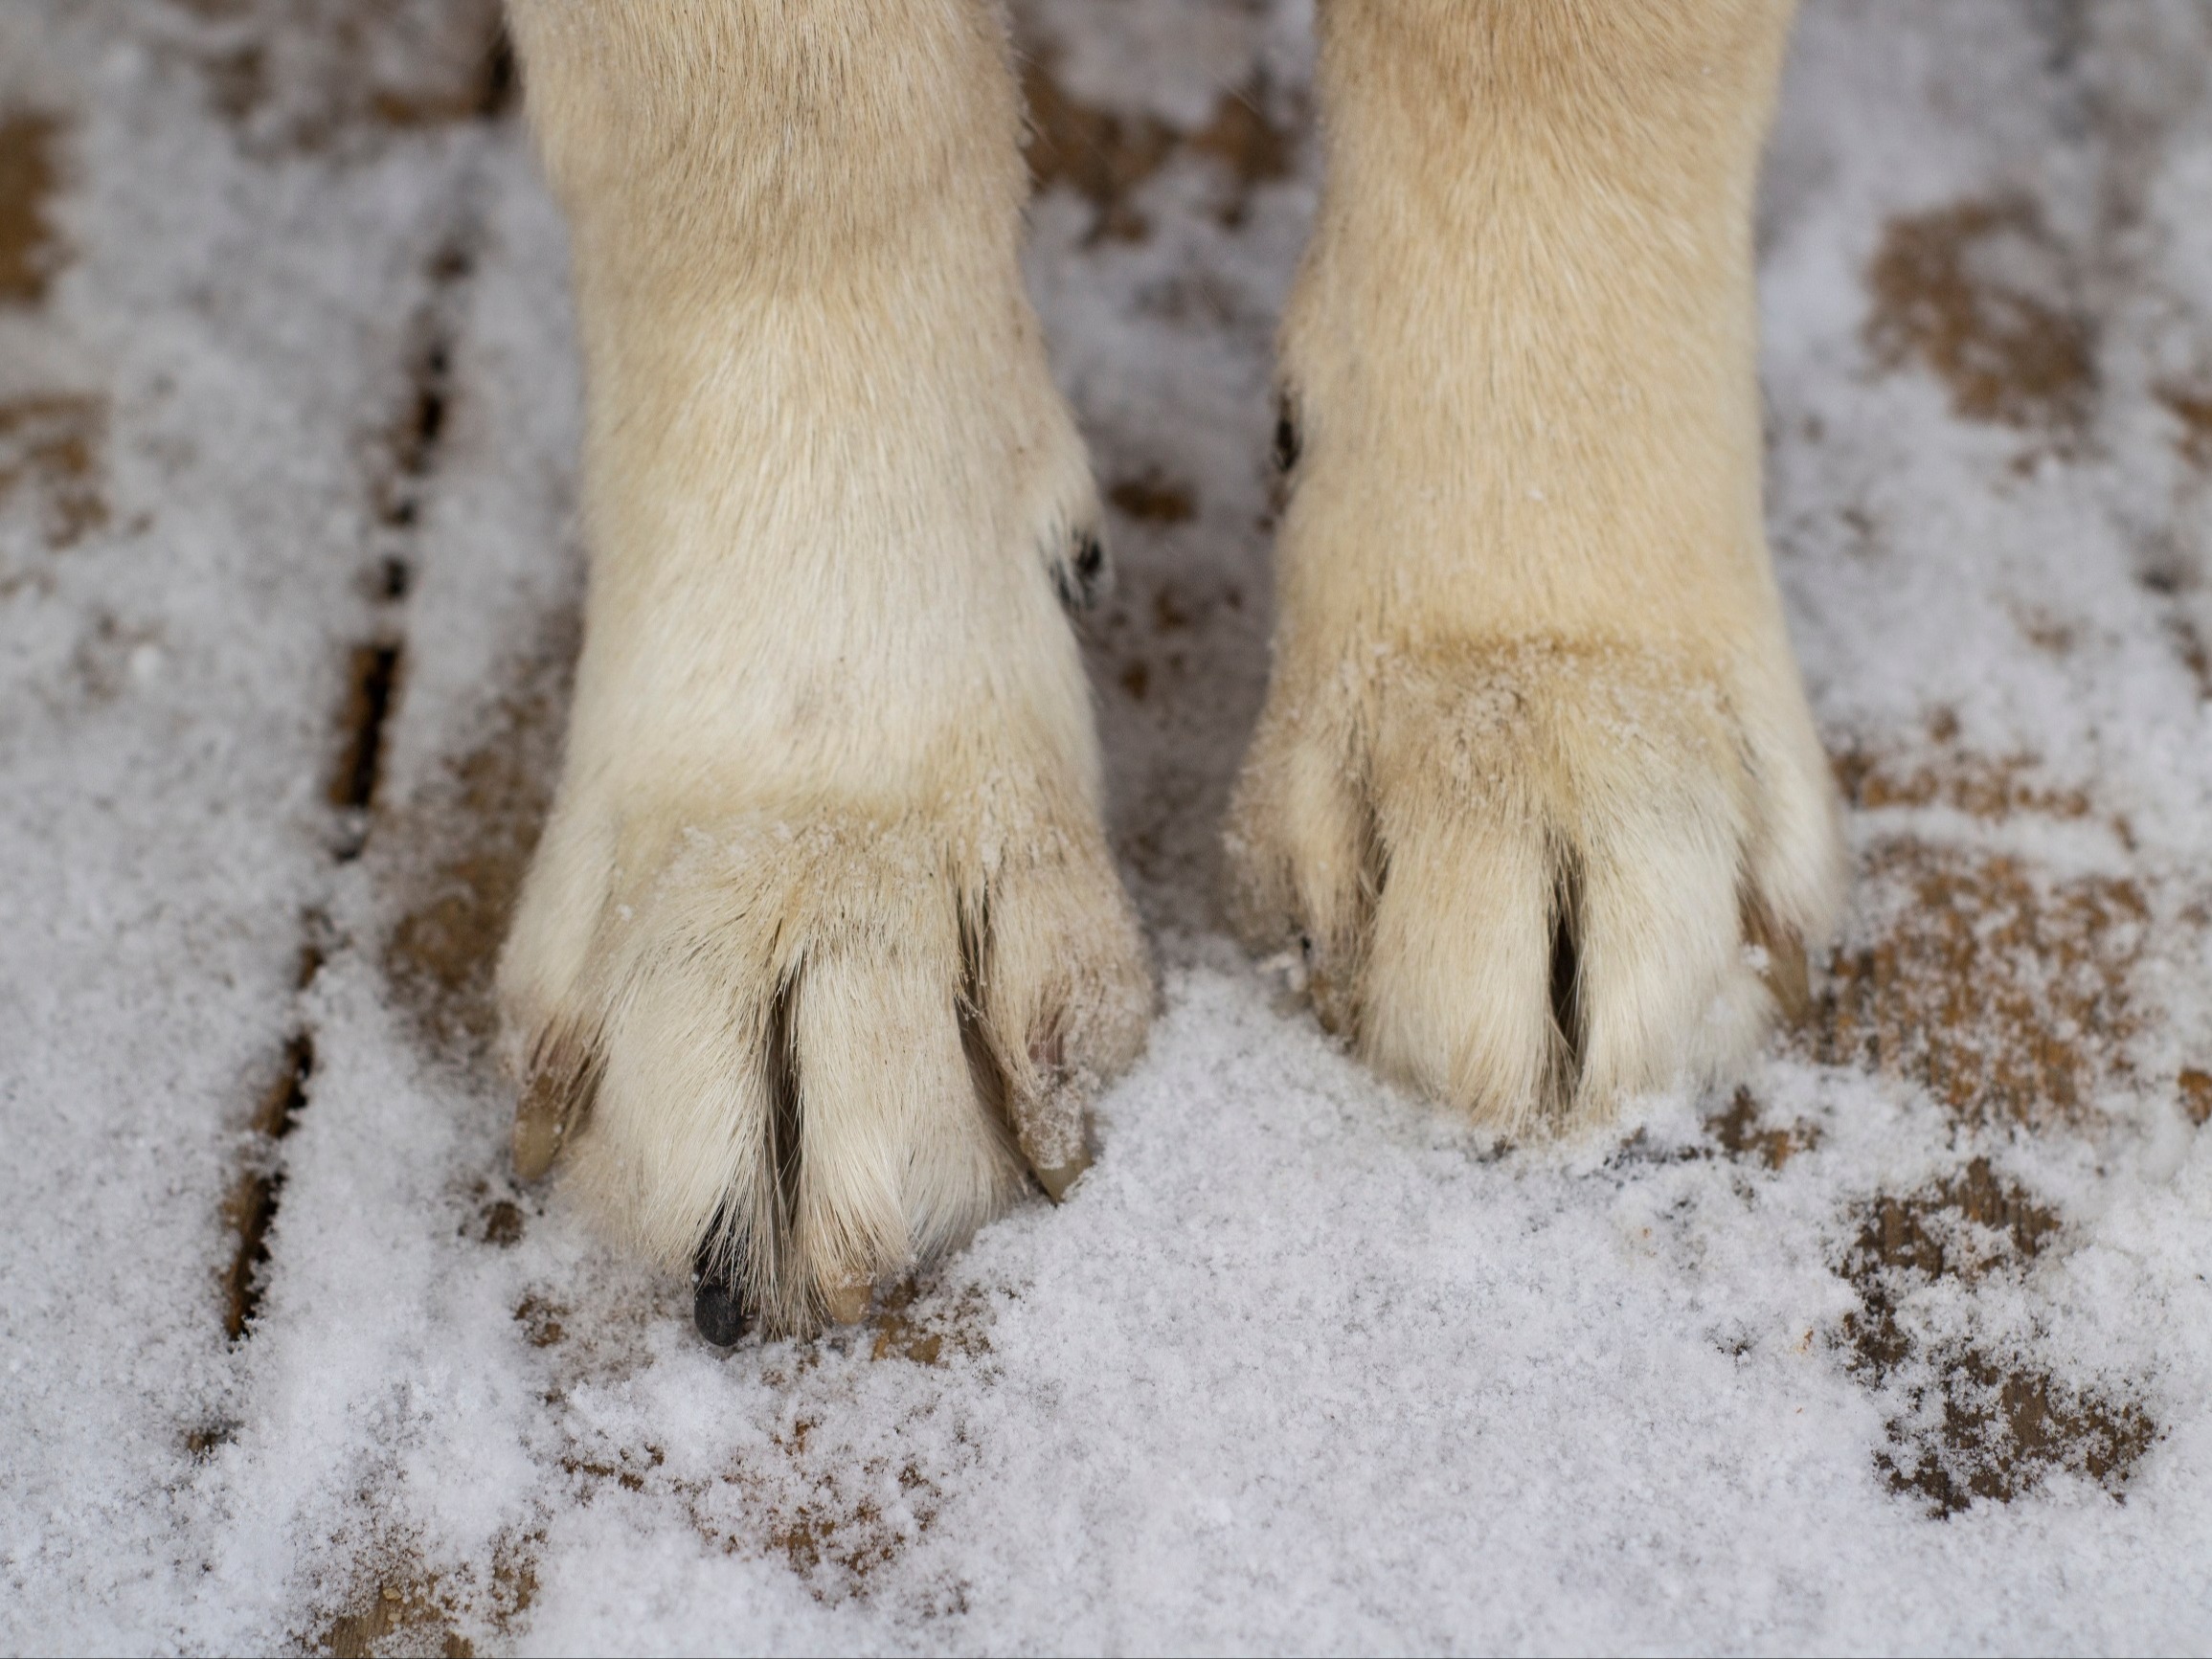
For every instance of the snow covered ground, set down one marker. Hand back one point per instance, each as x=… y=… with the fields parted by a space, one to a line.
x=1907 y=1345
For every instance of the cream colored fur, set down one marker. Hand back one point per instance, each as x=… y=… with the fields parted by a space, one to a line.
x=1536 y=791
x=824 y=929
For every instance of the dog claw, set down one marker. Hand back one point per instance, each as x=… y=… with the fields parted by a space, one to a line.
x=718 y=1311
x=538 y=1138
x=1058 y=1178
x=848 y=1303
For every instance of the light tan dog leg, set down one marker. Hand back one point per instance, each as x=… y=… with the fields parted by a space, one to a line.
x=824 y=940
x=1536 y=787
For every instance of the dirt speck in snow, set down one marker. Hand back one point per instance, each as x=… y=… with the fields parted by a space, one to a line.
x=1106 y=156
x=50 y=451
x=540 y=1322
x=913 y=1326
x=330 y=78
x=2193 y=409
x=403 y=1606
x=837 y=1533
x=1744 y=1133
x=1972 y=1423
x=2190 y=644
x=1977 y=292
x=30 y=250
x=2003 y=991
x=831 y=1496
x=1981 y=785
x=2195 y=1087
x=1153 y=498
x=502 y=1224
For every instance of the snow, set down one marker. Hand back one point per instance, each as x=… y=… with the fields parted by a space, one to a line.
x=1303 y=1364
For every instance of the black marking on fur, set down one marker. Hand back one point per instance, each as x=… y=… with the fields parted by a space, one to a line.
x=1081 y=574
x=1288 y=441
x=1567 y=1010
x=500 y=81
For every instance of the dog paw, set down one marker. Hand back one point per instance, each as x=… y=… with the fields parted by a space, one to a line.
x=1532 y=876
x=809 y=1049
